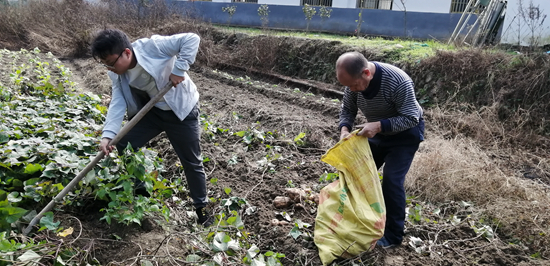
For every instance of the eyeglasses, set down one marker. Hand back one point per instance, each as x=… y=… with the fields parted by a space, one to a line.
x=112 y=66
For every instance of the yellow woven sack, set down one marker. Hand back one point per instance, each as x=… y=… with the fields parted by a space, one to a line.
x=351 y=214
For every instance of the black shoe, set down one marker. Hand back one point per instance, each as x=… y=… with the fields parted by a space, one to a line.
x=385 y=244
x=204 y=217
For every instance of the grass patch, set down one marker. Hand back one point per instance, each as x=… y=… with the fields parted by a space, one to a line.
x=397 y=49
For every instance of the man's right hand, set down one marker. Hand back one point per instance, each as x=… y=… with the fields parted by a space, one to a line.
x=344 y=132
x=104 y=146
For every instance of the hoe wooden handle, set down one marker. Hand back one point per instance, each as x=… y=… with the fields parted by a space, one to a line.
x=99 y=156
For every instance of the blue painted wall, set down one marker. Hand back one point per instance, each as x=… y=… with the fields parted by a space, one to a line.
x=342 y=20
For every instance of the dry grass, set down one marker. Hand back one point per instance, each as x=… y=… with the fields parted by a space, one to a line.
x=459 y=169
x=67 y=27
x=453 y=167
x=512 y=89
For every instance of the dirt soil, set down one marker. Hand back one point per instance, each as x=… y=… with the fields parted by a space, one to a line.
x=237 y=102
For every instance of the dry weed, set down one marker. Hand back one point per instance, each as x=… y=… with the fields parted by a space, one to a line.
x=460 y=169
x=66 y=27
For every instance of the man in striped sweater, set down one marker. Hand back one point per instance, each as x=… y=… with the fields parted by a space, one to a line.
x=385 y=95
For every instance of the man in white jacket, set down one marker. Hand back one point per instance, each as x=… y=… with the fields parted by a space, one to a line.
x=138 y=71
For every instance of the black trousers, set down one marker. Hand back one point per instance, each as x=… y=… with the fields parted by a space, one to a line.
x=396 y=153
x=185 y=139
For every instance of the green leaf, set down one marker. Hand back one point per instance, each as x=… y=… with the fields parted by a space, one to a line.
x=32 y=168
x=252 y=252
x=227 y=190
x=60 y=261
x=146 y=263
x=214 y=181
x=239 y=223
x=272 y=261
x=29 y=258
x=259 y=261
x=269 y=253
x=159 y=185
x=13 y=213
x=4 y=137
x=295 y=232
x=299 y=137
x=90 y=176
x=193 y=258
x=47 y=221
x=127 y=185
x=14 y=197
x=101 y=193
x=240 y=133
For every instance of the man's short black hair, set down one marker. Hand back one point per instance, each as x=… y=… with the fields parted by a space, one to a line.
x=108 y=42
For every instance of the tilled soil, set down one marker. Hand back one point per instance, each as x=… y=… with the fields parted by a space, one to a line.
x=262 y=170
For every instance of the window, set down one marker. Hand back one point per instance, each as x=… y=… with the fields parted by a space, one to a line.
x=375 y=4
x=244 y=1
x=317 y=2
x=459 y=6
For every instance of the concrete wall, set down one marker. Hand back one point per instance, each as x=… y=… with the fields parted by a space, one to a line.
x=515 y=28
x=431 y=6
x=344 y=3
x=376 y=22
x=280 y=2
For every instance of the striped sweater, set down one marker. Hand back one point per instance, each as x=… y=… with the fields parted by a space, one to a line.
x=389 y=98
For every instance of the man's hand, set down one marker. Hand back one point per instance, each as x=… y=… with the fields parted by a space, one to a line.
x=370 y=129
x=344 y=132
x=176 y=79
x=104 y=145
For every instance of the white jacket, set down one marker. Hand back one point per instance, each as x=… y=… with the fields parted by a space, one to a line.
x=159 y=56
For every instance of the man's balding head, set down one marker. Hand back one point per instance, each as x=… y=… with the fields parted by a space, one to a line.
x=353 y=63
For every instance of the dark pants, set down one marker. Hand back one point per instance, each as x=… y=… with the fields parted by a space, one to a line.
x=184 y=137
x=396 y=152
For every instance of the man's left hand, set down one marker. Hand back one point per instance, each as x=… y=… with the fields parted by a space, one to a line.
x=176 y=79
x=370 y=129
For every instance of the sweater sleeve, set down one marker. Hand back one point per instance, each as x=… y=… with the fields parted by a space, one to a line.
x=407 y=107
x=348 y=111
x=184 y=46
x=117 y=109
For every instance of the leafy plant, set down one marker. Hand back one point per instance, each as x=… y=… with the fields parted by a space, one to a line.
x=309 y=12
x=230 y=11
x=263 y=12
x=415 y=214
x=290 y=184
x=230 y=242
x=253 y=135
x=139 y=168
x=299 y=140
x=324 y=13
x=329 y=177
x=299 y=226
x=359 y=21
x=47 y=136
